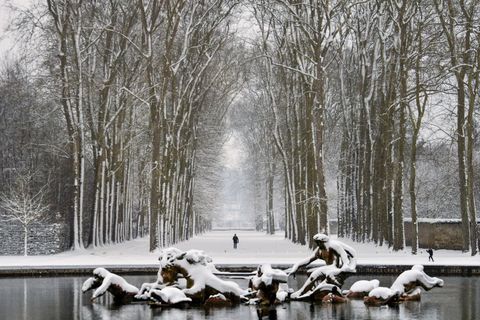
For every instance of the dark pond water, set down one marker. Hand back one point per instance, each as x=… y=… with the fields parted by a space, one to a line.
x=60 y=298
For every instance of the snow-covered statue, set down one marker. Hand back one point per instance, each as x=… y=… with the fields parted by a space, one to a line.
x=405 y=287
x=167 y=275
x=103 y=281
x=334 y=296
x=198 y=270
x=266 y=282
x=340 y=261
x=361 y=289
x=123 y=292
x=164 y=278
x=409 y=281
x=382 y=296
x=167 y=296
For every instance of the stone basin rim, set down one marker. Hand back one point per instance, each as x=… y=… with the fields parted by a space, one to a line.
x=230 y=269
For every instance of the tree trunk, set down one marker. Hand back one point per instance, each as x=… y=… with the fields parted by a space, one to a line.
x=398 y=237
x=462 y=178
x=25 y=241
x=470 y=170
x=270 y=182
x=412 y=190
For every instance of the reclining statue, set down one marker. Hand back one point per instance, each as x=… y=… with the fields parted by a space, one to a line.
x=409 y=281
x=340 y=261
x=405 y=287
x=103 y=281
x=197 y=271
x=199 y=283
x=164 y=279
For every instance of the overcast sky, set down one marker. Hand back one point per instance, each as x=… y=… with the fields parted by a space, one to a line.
x=4 y=20
x=6 y=15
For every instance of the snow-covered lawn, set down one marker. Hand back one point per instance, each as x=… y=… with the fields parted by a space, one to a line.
x=254 y=248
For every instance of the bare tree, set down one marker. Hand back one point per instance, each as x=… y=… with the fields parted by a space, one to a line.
x=24 y=206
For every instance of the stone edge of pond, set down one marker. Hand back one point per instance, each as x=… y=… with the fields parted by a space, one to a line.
x=228 y=269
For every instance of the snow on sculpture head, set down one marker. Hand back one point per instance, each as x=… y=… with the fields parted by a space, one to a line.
x=320 y=237
x=166 y=274
x=418 y=267
x=101 y=272
x=90 y=283
x=173 y=256
x=167 y=255
x=195 y=257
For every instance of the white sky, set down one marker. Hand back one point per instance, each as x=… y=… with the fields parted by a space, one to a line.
x=6 y=16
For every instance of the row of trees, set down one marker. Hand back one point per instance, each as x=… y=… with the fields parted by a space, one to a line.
x=367 y=72
x=396 y=69
x=331 y=93
x=143 y=87
x=33 y=163
x=127 y=70
x=291 y=87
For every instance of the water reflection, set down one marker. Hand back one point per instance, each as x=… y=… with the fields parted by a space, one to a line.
x=60 y=298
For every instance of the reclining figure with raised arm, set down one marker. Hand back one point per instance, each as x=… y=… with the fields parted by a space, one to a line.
x=339 y=259
x=103 y=281
x=405 y=288
x=198 y=274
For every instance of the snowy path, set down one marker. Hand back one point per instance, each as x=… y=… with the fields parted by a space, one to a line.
x=254 y=248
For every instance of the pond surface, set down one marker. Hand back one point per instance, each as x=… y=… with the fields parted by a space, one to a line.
x=60 y=298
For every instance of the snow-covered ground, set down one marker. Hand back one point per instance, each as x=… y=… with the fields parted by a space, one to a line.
x=254 y=248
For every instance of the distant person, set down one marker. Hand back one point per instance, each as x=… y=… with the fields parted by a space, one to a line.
x=235 y=241
x=430 y=254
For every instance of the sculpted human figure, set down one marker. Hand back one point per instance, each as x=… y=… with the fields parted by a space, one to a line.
x=104 y=281
x=197 y=271
x=339 y=259
x=266 y=282
x=404 y=288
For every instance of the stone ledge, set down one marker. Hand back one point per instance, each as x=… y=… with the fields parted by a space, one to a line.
x=239 y=270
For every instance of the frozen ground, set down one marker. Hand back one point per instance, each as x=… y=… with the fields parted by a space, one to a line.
x=254 y=248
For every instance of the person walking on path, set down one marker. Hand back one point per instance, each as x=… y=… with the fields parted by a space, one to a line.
x=235 y=241
x=430 y=254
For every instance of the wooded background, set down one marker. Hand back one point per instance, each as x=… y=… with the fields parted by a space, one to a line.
x=367 y=112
